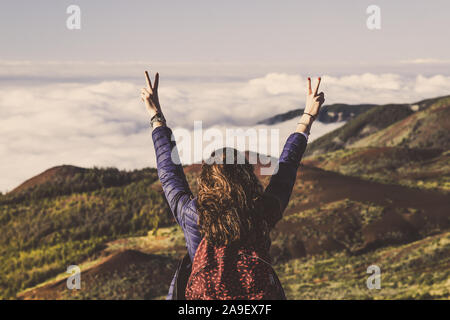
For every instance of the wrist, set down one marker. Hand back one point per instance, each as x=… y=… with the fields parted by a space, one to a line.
x=153 y=113
x=157 y=120
x=304 y=124
x=305 y=118
x=157 y=124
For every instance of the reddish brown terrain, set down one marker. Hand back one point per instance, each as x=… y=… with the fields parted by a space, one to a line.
x=331 y=204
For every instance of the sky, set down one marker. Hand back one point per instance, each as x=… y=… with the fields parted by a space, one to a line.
x=309 y=32
x=72 y=96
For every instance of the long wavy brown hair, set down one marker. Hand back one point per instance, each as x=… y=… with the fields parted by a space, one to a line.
x=231 y=203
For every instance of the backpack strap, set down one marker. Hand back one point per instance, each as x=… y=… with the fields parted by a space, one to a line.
x=183 y=272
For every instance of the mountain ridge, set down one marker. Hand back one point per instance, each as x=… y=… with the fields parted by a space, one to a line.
x=329 y=113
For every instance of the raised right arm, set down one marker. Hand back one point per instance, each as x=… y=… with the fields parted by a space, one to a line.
x=282 y=182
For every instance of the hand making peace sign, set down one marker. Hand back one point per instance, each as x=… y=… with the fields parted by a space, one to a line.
x=314 y=100
x=150 y=95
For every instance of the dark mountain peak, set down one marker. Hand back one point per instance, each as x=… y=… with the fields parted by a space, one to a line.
x=329 y=113
x=68 y=179
x=424 y=104
x=49 y=175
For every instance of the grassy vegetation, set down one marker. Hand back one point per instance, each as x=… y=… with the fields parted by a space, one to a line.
x=141 y=281
x=45 y=232
x=149 y=279
x=376 y=118
x=417 y=168
x=65 y=180
x=413 y=150
x=145 y=280
x=418 y=270
x=346 y=225
x=428 y=128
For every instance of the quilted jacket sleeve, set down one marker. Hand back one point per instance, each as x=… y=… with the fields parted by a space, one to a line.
x=176 y=188
x=282 y=182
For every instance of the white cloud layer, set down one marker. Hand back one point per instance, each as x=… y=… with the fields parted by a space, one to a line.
x=105 y=123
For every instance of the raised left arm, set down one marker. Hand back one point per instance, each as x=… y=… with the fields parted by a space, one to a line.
x=170 y=172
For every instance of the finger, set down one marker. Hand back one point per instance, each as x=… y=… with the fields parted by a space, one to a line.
x=149 y=82
x=320 y=96
x=309 y=85
x=317 y=86
x=147 y=91
x=155 y=88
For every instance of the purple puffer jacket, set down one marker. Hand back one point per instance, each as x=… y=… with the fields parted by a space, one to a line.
x=183 y=203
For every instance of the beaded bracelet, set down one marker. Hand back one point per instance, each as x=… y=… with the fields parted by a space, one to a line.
x=157 y=118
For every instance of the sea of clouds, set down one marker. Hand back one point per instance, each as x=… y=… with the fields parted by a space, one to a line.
x=104 y=123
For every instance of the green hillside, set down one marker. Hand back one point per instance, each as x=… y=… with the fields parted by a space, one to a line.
x=62 y=221
x=388 y=116
x=428 y=128
x=417 y=270
x=363 y=125
x=413 y=151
